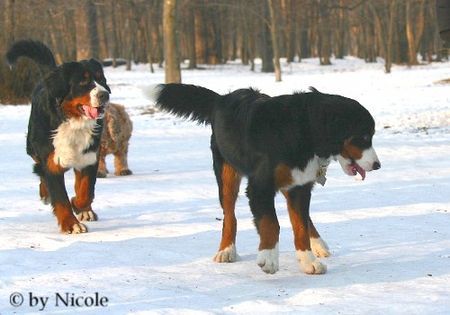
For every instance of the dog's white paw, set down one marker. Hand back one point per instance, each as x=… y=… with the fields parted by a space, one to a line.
x=87 y=216
x=319 y=247
x=310 y=264
x=228 y=254
x=78 y=229
x=46 y=200
x=268 y=260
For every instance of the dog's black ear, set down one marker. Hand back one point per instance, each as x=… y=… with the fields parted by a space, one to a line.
x=57 y=82
x=97 y=69
x=95 y=64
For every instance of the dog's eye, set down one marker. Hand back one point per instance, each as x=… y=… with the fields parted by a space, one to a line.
x=366 y=138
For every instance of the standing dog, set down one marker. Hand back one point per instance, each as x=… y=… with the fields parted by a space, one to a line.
x=281 y=144
x=115 y=137
x=64 y=131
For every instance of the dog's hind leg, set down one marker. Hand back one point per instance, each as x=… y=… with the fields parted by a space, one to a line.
x=43 y=190
x=228 y=180
x=298 y=200
x=121 y=163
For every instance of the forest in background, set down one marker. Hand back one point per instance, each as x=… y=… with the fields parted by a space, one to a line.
x=217 y=31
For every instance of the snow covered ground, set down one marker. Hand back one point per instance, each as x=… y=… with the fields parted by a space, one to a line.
x=151 y=252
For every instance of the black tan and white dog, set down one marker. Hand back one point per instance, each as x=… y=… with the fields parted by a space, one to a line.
x=64 y=130
x=281 y=144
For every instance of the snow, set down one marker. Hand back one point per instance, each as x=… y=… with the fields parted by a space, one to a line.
x=152 y=250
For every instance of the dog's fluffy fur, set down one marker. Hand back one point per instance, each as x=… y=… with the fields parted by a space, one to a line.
x=282 y=144
x=115 y=139
x=64 y=129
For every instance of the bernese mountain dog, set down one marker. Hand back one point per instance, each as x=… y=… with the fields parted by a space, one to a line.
x=281 y=143
x=64 y=130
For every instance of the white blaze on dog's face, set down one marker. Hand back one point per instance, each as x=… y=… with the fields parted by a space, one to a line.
x=358 y=156
x=99 y=95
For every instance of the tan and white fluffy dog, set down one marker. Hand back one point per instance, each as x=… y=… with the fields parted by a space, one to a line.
x=115 y=139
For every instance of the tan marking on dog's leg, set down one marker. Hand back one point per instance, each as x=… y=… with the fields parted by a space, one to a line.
x=83 y=201
x=66 y=220
x=230 y=190
x=269 y=231
x=308 y=263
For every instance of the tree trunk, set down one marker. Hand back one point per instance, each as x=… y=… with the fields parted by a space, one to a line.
x=291 y=43
x=384 y=25
x=191 y=38
x=341 y=31
x=9 y=18
x=172 y=65
x=53 y=37
x=274 y=35
x=414 y=30
x=148 y=43
x=324 y=34
x=86 y=30
x=265 y=42
x=390 y=35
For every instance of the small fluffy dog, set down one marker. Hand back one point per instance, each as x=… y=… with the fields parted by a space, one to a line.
x=115 y=137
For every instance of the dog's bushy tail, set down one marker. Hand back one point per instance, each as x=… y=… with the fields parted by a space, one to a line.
x=35 y=50
x=186 y=101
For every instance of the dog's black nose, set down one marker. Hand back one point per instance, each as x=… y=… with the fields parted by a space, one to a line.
x=376 y=166
x=103 y=97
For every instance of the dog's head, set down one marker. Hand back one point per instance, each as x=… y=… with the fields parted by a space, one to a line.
x=80 y=89
x=345 y=131
x=357 y=155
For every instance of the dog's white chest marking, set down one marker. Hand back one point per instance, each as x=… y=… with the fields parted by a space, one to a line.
x=71 y=139
x=307 y=175
x=314 y=171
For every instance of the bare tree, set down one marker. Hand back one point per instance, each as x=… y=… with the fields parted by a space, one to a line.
x=172 y=65
x=274 y=35
x=86 y=30
x=385 y=14
x=415 y=23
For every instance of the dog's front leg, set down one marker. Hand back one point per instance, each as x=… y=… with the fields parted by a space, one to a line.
x=61 y=205
x=298 y=199
x=262 y=206
x=84 y=193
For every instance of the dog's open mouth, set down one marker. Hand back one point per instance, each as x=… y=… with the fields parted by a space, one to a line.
x=90 y=112
x=354 y=169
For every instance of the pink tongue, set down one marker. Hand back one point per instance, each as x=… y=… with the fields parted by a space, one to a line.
x=90 y=112
x=357 y=169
